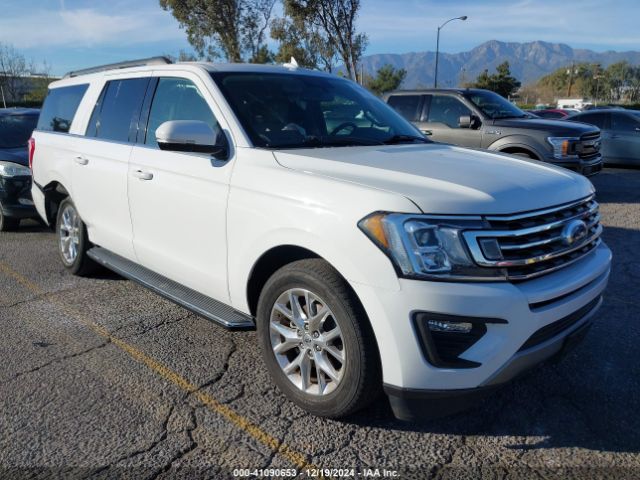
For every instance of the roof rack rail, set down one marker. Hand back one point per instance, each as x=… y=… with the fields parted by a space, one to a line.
x=114 y=66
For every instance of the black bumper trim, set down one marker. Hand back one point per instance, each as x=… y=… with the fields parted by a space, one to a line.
x=19 y=211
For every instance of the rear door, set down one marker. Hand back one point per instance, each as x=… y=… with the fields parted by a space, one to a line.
x=178 y=200
x=625 y=138
x=101 y=160
x=441 y=121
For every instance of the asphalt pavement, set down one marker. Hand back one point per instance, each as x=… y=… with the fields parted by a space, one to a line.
x=100 y=378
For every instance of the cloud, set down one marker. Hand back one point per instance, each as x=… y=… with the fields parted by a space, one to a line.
x=89 y=27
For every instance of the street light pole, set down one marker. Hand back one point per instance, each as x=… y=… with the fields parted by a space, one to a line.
x=435 y=78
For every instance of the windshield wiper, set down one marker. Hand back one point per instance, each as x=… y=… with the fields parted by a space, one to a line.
x=395 y=139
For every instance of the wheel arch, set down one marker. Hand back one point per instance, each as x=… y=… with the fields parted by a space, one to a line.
x=54 y=193
x=267 y=264
x=274 y=259
x=518 y=144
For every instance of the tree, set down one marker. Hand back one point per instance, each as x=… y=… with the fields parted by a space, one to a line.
x=233 y=29
x=13 y=68
x=303 y=42
x=335 y=20
x=501 y=82
x=387 y=78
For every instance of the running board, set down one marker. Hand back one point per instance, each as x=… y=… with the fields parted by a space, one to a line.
x=196 y=302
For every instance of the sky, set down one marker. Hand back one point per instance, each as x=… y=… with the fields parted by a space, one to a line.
x=72 y=34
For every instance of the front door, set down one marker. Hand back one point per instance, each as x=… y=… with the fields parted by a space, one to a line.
x=624 y=138
x=442 y=122
x=178 y=200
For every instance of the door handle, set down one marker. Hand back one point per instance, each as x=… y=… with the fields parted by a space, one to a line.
x=143 y=175
x=80 y=160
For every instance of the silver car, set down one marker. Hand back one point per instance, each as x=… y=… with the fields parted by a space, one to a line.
x=620 y=133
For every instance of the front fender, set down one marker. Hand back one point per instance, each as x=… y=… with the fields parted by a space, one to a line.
x=523 y=142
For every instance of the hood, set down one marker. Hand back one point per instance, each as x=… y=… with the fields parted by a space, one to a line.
x=16 y=155
x=442 y=179
x=556 y=127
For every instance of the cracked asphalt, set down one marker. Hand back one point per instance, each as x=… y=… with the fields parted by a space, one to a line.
x=100 y=378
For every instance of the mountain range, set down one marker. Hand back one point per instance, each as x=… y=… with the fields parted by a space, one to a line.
x=528 y=62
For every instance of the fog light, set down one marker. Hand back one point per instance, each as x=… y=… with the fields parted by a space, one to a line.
x=444 y=326
x=443 y=338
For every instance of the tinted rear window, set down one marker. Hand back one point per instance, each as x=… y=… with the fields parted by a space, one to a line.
x=118 y=109
x=597 y=119
x=60 y=107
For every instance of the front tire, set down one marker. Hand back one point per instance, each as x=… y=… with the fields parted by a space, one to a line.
x=73 y=241
x=316 y=340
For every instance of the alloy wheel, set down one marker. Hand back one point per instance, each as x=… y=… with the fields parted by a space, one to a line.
x=307 y=341
x=69 y=234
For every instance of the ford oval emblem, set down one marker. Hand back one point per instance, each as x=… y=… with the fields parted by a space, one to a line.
x=573 y=232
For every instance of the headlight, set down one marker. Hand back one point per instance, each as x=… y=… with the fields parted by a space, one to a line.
x=427 y=247
x=563 y=147
x=9 y=169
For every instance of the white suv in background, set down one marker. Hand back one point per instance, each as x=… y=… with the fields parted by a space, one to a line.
x=297 y=203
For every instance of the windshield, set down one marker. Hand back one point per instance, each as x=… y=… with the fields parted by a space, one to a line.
x=495 y=106
x=296 y=110
x=15 y=130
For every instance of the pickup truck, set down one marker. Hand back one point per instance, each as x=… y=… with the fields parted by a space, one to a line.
x=479 y=118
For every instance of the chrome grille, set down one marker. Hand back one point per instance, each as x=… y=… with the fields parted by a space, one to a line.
x=533 y=244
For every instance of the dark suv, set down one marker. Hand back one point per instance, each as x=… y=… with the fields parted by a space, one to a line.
x=16 y=125
x=483 y=119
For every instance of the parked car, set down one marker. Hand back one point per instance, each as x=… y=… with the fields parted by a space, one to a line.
x=620 y=133
x=16 y=125
x=297 y=203
x=552 y=113
x=483 y=119
x=603 y=107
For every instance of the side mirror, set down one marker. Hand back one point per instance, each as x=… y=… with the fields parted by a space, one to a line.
x=191 y=136
x=468 y=121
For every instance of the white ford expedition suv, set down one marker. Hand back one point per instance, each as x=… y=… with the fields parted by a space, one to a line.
x=295 y=202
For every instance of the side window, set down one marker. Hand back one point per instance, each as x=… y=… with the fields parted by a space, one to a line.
x=597 y=119
x=117 y=111
x=447 y=109
x=623 y=123
x=406 y=105
x=60 y=107
x=177 y=99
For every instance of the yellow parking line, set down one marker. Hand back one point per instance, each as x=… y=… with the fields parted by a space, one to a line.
x=214 y=405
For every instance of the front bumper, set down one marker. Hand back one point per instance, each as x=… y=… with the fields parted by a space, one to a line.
x=588 y=168
x=497 y=357
x=15 y=197
x=409 y=404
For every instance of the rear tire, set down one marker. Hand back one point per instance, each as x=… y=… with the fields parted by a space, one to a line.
x=302 y=352
x=73 y=242
x=8 y=224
